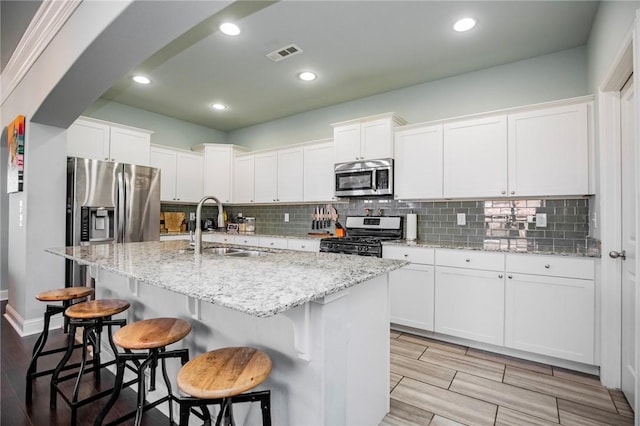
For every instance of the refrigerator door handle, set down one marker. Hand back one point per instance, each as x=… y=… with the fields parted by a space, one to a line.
x=121 y=207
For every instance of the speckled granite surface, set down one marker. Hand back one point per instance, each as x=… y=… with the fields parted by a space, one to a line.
x=588 y=252
x=261 y=286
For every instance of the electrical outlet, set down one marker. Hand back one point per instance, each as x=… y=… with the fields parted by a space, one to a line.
x=541 y=220
x=192 y=215
x=286 y=217
x=462 y=219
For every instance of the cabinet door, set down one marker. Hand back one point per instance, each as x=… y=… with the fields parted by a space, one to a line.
x=411 y=290
x=475 y=158
x=376 y=139
x=470 y=304
x=243 y=179
x=290 y=174
x=418 y=163
x=551 y=316
x=319 y=177
x=129 y=146
x=266 y=178
x=165 y=160
x=347 y=142
x=549 y=152
x=217 y=172
x=190 y=173
x=87 y=139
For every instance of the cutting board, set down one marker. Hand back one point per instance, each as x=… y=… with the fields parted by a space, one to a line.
x=173 y=220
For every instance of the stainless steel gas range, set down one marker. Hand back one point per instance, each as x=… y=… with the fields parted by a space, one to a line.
x=365 y=235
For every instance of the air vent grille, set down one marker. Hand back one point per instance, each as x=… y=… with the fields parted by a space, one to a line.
x=284 y=53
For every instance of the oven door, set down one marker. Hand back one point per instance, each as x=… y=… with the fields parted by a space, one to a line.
x=355 y=182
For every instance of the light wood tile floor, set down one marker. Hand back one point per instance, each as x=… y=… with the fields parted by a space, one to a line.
x=437 y=383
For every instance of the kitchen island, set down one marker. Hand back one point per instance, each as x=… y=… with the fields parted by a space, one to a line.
x=323 y=318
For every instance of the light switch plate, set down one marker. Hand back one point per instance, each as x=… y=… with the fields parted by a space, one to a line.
x=286 y=217
x=541 y=220
x=192 y=215
x=462 y=219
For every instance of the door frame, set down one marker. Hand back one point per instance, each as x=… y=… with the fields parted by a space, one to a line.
x=625 y=62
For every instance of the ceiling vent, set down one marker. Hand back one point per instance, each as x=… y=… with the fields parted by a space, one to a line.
x=284 y=53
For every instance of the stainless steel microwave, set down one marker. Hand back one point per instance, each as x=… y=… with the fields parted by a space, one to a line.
x=364 y=178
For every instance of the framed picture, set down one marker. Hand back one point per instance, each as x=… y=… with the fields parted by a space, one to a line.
x=15 y=153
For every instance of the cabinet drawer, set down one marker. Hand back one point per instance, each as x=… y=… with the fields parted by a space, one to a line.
x=413 y=254
x=303 y=245
x=555 y=266
x=470 y=259
x=247 y=240
x=279 y=243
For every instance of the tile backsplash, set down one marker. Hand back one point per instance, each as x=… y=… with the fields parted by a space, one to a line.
x=490 y=224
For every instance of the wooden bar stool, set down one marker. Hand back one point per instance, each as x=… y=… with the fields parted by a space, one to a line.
x=66 y=296
x=92 y=316
x=151 y=335
x=220 y=377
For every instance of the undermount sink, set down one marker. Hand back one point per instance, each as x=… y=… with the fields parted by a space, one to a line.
x=232 y=251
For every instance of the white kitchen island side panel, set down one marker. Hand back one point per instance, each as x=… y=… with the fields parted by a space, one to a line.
x=330 y=356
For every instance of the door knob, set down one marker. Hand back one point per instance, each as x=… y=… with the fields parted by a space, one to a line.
x=617 y=254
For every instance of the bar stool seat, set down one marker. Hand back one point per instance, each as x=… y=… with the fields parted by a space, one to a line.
x=221 y=377
x=65 y=295
x=152 y=335
x=92 y=316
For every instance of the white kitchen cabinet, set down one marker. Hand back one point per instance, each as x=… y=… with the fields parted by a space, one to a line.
x=475 y=158
x=547 y=310
x=318 y=172
x=411 y=288
x=101 y=140
x=181 y=174
x=290 y=174
x=247 y=240
x=365 y=138
x=418 y=162
x=243 y=179
x=218 y=169
x=302 y=244
x=549 y=151
x=273 y=242
x=219 y=237
x=266 y=177
x=469 y=299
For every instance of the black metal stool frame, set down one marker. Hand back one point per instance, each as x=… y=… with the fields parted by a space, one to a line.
x=92 y=330
x=150 y=360
x=38 y=347
x=226 y=413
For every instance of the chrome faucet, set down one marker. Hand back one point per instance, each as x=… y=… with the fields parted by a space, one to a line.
x=198 y=248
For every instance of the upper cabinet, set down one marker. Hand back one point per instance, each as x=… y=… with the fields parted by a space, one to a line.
x=181 y=174
x=418 y=162
x=366 y=138
x=218 y=169
x=278 y=176
x=243 y=178
x=475 y=158
x=549 y=151
x=266 y=177
x=101 y=140
x=318 y=179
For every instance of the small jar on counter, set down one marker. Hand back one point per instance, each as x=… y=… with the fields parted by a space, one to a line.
x=250 y=223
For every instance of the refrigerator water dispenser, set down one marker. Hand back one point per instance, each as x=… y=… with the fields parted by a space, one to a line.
x=97 y=224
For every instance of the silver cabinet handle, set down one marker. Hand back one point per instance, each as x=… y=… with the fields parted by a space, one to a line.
x=504 y=192
x=500 y=275
x=618 y=254
x=547 y=266
x=406 y=255
x=467 y=260
x=513 y=192
x=509 y=276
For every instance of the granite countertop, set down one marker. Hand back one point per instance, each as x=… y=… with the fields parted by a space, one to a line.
x=257 y=234
x=589 y=252
x=261 y=286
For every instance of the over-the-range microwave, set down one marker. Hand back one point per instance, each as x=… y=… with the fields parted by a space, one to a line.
x=364 y=178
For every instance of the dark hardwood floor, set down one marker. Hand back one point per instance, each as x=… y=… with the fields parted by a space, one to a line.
x=15 y=358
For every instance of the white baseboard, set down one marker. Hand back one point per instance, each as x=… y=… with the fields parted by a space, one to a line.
x=4 y=294
x=31 y=326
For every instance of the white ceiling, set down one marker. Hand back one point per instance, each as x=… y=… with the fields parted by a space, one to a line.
x=357 y=48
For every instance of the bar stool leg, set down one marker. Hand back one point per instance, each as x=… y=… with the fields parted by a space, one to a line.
x=120 y=367
x=37 y=350
x=142 y=389
x=56 y=373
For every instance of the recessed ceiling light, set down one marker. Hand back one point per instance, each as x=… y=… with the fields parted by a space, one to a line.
x=141 y=79
x=464 y=24
x=307 y=76
x=230 y=29
x=218 y=106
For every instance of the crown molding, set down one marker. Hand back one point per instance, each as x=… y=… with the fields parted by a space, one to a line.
x=48 y=20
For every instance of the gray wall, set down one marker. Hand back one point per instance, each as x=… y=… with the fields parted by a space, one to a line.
x=167 y=131
x=545 y=78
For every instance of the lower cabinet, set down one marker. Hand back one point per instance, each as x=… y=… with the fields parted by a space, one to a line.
x=411 y=296
x=469 y=303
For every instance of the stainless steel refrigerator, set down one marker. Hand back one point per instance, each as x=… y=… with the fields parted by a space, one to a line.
x=108 y=203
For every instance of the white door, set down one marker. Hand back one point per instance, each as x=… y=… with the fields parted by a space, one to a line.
x=318 y=177
x=129 y=146
x=290 y=175
x=418 y=163
x=629 y=278
x=165 y=160
x=189 y=177
x=376 y=139
x=266 y=178
x=243 y=175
